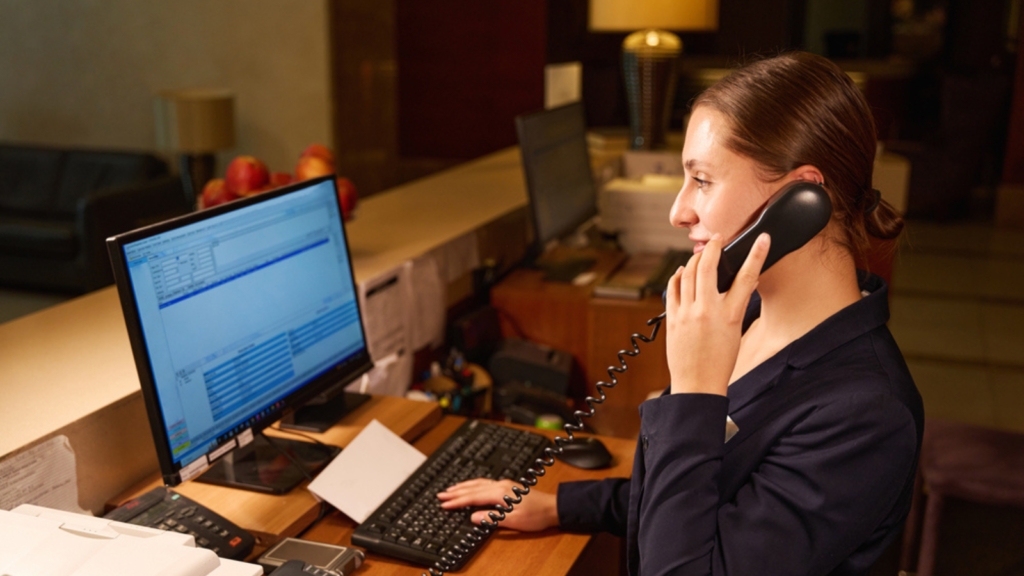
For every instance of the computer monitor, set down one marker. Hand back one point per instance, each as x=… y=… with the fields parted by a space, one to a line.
x=236 y=315
x=559 y=180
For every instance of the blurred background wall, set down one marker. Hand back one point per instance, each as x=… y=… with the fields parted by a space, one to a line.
x=84 y=73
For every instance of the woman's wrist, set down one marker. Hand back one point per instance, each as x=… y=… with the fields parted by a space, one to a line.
x=550 y=510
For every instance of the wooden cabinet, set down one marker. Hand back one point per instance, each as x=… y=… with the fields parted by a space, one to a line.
x=593 y=331
x=611 y=323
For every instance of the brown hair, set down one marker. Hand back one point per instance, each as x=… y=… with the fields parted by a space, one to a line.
x=796 y=109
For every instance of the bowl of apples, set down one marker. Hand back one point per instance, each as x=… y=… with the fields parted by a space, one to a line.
x=247 y=175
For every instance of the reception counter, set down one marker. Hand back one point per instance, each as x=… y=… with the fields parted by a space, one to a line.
x=68 y=370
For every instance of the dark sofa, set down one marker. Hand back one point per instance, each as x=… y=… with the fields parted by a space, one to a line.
x=58 y=206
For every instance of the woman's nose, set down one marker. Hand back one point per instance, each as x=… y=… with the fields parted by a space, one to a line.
x=682 y=214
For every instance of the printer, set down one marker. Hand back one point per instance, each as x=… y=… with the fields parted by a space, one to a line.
x=41 y=541
x=638 y=210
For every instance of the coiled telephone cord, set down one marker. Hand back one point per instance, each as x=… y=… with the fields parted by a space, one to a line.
x=533 y=474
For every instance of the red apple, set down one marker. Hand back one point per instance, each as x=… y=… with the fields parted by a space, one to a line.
x=278 y=179
x=245 y=174
x=319 y=151
x=312 y=167
x=255 y=191
x=215 y=192
x=347 y=196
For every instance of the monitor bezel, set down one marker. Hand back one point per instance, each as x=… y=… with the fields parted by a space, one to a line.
x=538 y=245
x=333 y=378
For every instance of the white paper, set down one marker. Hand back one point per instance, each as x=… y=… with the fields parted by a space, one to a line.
x=43 y=475
x=457 y=257
x=367 y=471
x=194 y=468
x=384 y=304
x=389 y=377
x=428 y=302
x=563 y=84
x=245 y=437
x=427 y=290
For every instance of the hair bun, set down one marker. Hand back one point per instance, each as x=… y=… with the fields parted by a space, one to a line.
x=876 y=198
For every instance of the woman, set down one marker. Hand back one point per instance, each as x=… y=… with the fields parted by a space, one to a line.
x=819 y=477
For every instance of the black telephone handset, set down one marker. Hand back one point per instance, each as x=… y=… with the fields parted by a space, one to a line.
x=792 y=217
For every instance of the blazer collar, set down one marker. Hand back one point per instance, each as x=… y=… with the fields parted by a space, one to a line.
x=851 y=322
x=857 y=319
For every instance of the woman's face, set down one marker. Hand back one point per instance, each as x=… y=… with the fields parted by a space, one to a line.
x=722 y=189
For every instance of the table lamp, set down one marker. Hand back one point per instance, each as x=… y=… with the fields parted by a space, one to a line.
x=650 y=54
x=195 y=123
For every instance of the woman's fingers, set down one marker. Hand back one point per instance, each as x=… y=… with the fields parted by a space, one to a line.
x=688 y=280
x=747 y=277
x=479 y=492
x=707 y=269
x=466 y=485
x=672 y=290
x=472 y=499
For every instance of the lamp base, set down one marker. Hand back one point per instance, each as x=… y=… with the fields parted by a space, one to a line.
x=649 y=64
x=196 y=171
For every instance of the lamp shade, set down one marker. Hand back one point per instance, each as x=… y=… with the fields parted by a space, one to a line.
x=631 y=15
x=196 y=121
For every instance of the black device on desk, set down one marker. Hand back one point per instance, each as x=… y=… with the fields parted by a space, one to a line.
x=238 y=315
x=165 y=509
x=560 y=183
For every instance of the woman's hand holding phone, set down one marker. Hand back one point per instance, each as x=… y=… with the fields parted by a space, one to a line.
x=703 y=326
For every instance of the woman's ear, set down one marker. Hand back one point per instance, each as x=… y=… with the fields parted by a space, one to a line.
x=808 y=173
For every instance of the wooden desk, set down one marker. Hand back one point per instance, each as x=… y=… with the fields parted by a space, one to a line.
x=549 y=553
x=270 y=518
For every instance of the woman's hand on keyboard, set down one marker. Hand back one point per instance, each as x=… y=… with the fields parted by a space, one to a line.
x=537 y=511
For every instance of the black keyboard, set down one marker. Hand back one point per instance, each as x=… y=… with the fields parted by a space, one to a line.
x=670 y=261
x=411 y=525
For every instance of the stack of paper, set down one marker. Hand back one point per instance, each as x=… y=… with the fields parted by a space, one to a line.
x=639 y=211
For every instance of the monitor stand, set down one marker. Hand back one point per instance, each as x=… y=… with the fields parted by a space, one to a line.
x=269 y=465
x=319 y=415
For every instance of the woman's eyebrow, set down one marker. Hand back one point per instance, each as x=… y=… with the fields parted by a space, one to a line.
x=693 y=164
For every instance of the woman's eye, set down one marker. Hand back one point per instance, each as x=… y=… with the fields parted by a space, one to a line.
x=701 y=184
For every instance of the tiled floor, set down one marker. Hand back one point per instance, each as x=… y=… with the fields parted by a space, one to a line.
x=958 y=316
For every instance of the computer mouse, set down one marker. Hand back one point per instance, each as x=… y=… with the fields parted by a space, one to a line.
x=587 y=453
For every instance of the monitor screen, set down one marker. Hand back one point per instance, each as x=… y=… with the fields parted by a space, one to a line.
x=557 y=168
x=237 y=313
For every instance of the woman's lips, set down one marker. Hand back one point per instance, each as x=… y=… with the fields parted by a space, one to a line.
x=699 y=246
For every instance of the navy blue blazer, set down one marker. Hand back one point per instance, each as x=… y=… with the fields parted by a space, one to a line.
x=818 y=480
